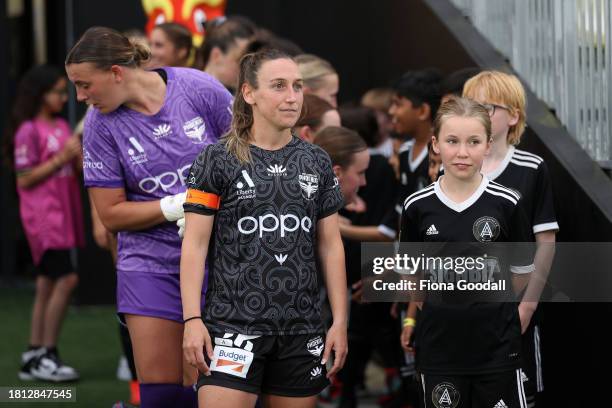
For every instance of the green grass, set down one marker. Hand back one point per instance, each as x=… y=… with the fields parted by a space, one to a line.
x=89 y=341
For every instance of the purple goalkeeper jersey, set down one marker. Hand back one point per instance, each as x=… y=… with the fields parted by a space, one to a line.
x=150 y=157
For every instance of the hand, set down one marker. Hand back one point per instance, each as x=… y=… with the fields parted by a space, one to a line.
x=195 y=340
x=343 y=220
x=336 y=340
x=406 y=337
x=526 y=310
x=181 y=227
x=357 y=291
x=71 y=149
x=394 y=311
x=172 y=206
x=358 y=206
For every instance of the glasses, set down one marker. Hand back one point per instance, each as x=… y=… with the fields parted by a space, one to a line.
x=490 y=107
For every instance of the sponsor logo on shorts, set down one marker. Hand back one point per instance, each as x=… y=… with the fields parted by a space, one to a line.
x=316 y=373
x=500 y=404
x=195 y=129
x=445 y=395
x=524 y=377
x=309 y=183
x=315 y=346
x=232 y=361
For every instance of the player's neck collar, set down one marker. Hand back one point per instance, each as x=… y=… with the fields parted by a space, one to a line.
x=503 y=165
x=459 y=207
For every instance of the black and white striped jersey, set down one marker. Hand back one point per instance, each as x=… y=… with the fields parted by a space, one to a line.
x=458 y=334
x=262 y=259
x=527 y=174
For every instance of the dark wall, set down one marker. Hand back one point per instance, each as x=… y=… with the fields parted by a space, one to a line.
x=369 y=42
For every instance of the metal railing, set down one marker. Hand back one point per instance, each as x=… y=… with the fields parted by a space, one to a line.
x=559 y=47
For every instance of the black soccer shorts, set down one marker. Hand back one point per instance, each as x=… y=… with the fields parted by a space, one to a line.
x=498 y=390
x=288 y=366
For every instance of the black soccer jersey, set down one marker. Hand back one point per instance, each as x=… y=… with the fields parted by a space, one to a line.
x=262 y=268
x=527 y=174
x=414 y=175
x=468 y=337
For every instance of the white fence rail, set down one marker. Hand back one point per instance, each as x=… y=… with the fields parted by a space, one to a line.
x=560 y=48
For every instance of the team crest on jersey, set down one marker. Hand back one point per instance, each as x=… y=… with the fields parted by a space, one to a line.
x=486 y=229
x=195 y=129
x=309 y=183
x=445 y=395
x=52 y=143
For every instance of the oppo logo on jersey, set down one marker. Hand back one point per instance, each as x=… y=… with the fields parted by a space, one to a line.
x=165 y=181
x=271 y=223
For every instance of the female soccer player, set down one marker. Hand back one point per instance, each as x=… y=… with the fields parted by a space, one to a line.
x=171 y=46
x=140 y=138
x=45 y=158
x=320 y=78
x=468 y=352
x=504 y=97
x=266 y=203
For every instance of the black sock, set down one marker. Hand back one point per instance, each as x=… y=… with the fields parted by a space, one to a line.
x=52 y=351
x=32 y=347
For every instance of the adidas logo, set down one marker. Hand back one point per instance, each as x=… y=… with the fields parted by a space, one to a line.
x=501 y=404
x=162 y=130
x=276 y=170
x=432 y=230
x=524 y=376
x=281 y=258
x=315 y=372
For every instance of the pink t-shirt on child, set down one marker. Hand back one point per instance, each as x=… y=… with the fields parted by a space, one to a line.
x=51 y=211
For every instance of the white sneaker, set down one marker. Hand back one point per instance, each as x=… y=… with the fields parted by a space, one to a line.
x=28 y=361
x=123 y=370
x=50 y=368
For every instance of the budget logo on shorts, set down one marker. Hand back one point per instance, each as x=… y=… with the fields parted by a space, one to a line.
x=195 y=129
x=309 y=184
x=315 y=346
x=445 y=395
x=486 y=229
x=232 y=361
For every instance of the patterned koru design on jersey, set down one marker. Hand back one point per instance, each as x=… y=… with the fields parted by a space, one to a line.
x=262 y=258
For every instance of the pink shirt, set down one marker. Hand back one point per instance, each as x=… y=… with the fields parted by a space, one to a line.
x=51 y=211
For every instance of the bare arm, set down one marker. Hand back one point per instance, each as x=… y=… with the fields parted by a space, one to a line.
x=198 y=229
x=331 y=254
x=363 y=233
x=544 y=256
x=40 y=173
x=118 y=214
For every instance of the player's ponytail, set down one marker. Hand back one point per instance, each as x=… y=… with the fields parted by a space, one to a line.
x=237 y=139
x=105 y=47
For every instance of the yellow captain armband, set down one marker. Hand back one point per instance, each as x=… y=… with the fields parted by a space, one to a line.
x=409 y=322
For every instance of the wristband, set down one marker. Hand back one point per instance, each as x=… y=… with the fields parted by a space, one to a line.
x=191 y=318
x=409 y=322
